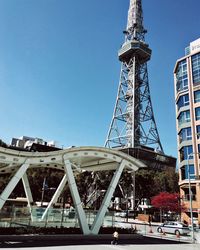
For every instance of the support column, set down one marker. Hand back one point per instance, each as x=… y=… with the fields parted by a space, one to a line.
x=27 y=189
x=76 y=198
x=28 y=193
x=107 y=199
x=56 y=195
x=13 y=183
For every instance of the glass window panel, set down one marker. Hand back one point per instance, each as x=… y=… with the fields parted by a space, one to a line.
x=186 y=100
x=190 y=170
x=196 y=68
x=197 y=113
x=183 y=101
x=198 y=131
x=184 y=117
x=187 y=116
x=181 y=76
x=180 y=102
x=185 y=134
x=197 y=96
x=183 y=177
x=186 y=152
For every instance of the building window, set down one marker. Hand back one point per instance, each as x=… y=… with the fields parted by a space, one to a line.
x=197 y=113
x=199 y=150
x=191 y=171
x=185 y=134
x=196 y=68
x=198 y=131
x=184 y=117
x=197 y=96
x=183 y=101
x=186 y=196
x=185 y=172
x=181 y=76
x=186 y=152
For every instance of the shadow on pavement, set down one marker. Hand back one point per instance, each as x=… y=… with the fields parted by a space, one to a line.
x=21 y=241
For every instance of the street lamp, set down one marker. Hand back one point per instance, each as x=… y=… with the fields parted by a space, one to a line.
x=190 y=193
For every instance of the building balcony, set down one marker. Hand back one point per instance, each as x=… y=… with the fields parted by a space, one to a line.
x=184 y=143
x=183 y=125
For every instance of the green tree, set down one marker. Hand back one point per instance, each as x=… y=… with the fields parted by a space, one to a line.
x=150 y=182
x=3 y=144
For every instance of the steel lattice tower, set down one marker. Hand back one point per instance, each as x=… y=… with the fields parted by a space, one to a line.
x=133 y=122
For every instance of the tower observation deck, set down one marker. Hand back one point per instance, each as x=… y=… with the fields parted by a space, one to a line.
x=133 y=122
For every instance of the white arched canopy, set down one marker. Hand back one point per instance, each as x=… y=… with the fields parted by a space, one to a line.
x=70 y=161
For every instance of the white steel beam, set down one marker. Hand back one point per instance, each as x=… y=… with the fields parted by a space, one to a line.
x=12 y=184
x=75 y=196
x=28 y=193
x=56 y=195
x=107 y=199
x=27 y=189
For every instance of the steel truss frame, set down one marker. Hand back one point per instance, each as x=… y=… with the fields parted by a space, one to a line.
x=70 y=161
x=133 y=123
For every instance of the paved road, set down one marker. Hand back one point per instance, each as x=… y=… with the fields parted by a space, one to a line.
x=117 y=247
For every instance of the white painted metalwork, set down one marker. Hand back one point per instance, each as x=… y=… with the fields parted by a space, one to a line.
x=76 y=197
x=27 y=189
x=56 y=195
x=13 y=182
x=28 y=193
x=70 y=161
x=133 y=122
x=107 y=199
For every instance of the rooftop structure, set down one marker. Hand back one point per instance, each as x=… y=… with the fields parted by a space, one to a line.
x=27 y=143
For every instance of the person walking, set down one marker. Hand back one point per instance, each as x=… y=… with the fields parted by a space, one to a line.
x=115 y=238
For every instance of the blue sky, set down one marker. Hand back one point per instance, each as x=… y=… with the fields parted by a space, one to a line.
x=59 y=70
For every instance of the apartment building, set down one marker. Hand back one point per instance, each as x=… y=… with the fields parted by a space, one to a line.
x=187 y=97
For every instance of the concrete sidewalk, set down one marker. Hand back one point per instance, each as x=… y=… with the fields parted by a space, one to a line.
x=108 y=246
x=79 y=241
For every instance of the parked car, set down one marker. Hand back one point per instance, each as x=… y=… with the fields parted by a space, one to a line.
x=122 y=214
x=174 y=227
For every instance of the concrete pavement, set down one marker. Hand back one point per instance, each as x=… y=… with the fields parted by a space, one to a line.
x=126 y=241
x=115 y=247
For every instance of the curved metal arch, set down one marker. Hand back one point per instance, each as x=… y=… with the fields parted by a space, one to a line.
x=70 y=161
x=86 y=158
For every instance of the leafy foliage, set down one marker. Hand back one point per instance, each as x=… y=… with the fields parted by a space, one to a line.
x=150 y=182
x=167 y=202
x=3 y=144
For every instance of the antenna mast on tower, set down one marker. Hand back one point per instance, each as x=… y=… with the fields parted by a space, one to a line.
x=133 y=122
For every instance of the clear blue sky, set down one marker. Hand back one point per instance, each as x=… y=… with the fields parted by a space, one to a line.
x=59 y=70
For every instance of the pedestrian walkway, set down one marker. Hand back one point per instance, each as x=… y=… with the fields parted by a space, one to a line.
x=116 y=247
x=126 y=241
